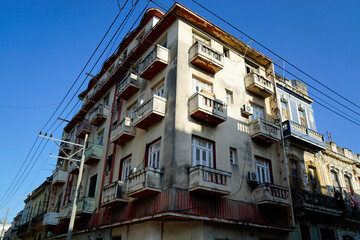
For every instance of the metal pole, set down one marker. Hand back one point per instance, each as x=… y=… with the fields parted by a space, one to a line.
x=2 y=231
x=73 y=211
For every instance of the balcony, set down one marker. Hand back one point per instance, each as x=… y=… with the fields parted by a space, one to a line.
x=316 y=202
x=85 y=205
x=270 y=194
x=51 y=218
x=259 y=85
x=263 y=131
x=122 y=132
x=304 y=136
x=128 y=87
x=207 y=108
x=209 y=181
x=150 y=112
x=205 y=57
x=59 y=178
x=93 y=154
x=73 y=168
x=114 y=194
x=144 y=182
x=154 y=62
x=65 y=211
x=65 y=146
x=83 y=128
x=98 y=115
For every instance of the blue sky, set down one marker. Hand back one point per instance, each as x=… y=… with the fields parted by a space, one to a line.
x=45 y=44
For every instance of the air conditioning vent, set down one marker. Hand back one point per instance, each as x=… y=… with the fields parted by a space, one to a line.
x=252 y=178
x=248 y=109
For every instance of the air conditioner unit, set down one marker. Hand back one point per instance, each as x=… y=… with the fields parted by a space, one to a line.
x=252 y=178
x=248 y=109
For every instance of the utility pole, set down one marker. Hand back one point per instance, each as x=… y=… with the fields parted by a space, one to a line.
x=3 y=228
x=73 y=211
x=81 y=168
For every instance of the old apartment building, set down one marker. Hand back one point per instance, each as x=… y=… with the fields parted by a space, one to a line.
x=193 y=136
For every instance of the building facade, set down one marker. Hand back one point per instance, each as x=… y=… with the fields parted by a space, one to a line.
x=191 y=136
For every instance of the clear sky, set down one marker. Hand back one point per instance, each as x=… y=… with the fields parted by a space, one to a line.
x=45 y=44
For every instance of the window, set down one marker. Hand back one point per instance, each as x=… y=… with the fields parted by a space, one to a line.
x=263 y=170
x=232 y=155
x=284 y=110
x=226 y=52
x=163 y=41
x=305 y=232
x=258 y=112
x=202 y=152
x=313 y=180
x=125 y=168
x=141 y=35
x=199 y=85
x=159 y=90
x=302 y=117
x=327 y=234
x=92 y=186
x=106 y=100
x=334 y=181
x=348 y=184
x=109 y=164
x=130 y=110
x=100 y=138
x=229 y=96
x=251 y=67
x=197 y=37
x=154 y=155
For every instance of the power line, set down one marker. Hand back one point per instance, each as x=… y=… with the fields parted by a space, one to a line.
x=60 y=105
x=82 y=83
x=323 y=85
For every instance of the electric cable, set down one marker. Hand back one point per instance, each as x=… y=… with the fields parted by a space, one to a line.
x=260 y=44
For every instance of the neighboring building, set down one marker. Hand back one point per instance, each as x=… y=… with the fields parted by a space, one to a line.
x=11 y=233
x=323 y=177
x=36 y=204
x=4 y=228
x=185 y=141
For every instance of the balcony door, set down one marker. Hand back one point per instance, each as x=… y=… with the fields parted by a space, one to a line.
x=202 y=152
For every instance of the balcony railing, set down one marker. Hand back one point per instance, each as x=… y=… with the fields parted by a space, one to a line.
x=154 y=62
x=205 y=57
x=65 y=211
x=261 y=130
x=210 y=181
x=144 y=182
x=207 y=108
x=83 y=128
x=304 y=136
x=259 y=85
x=122 y=132
x=114 y=194
x=85 y=205
x=51 y=218
x=270 y=194
x=98 y=115
x=317 y=202
x=65 y=146
x=128 y=86
x=93 y=154
x=150 y=112
x=59 y=178
x=73 y=167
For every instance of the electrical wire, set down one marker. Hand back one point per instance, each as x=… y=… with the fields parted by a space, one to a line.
x=268 y=49
x=31 y=149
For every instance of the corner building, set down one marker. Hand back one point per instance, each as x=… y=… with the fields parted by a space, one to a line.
x=183 y=140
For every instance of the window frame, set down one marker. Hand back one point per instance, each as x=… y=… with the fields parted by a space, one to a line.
x=198 y=82
x=209 y=148
x=267 y=167
x=122 y=170
x=88 y=188
x=255 y=108
x=149 y=160
x=233 y=155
